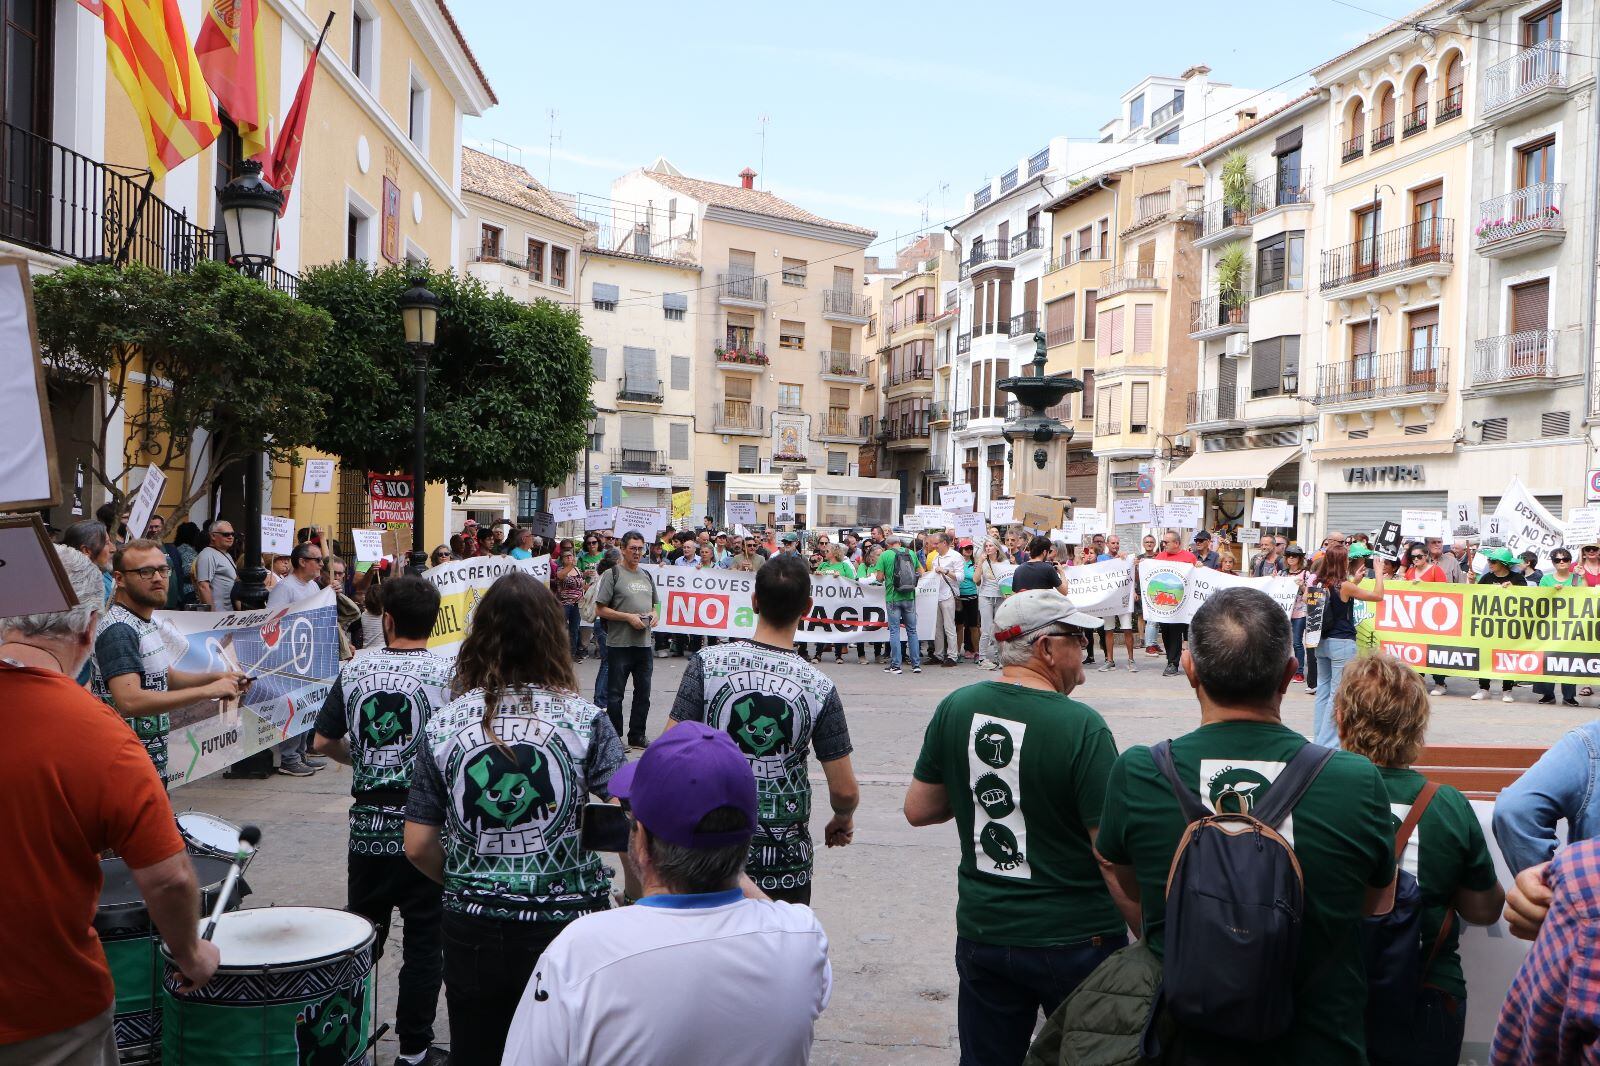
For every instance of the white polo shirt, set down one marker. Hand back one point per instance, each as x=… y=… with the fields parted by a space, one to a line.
x=713 y=978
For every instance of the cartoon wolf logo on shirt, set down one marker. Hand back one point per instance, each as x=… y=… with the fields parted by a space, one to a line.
x=504 y=791
x=329 y=1033
x=761 y=724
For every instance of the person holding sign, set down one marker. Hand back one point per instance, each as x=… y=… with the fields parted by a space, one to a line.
x=1562 y=577
x=1500 y=573
x=1340 y=574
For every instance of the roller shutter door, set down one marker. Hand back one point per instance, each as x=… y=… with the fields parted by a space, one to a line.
x=1363 y=512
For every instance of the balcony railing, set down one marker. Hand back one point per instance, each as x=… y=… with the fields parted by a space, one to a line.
x=1383 y=135
x=1027 y=241
x=1060 y=335
x=1214 y=312
x=1038 y=161
x=745 y=287
x=639 y=461
x=1152 y=204
x=1107 y=429
x=1212 y=405
x=1419 y=371
x=1449 y=106
x=864 y=426
x=1218 y=216
x=983 y=252
x=1008 y=180
x=1166 y=112
x=741 y=356
x=958 y=419
x=1524 y=356
x=737 y=416
x=907 y=427
x=1354 y=148
x=841 y=365
x=1416 y=120
x=1431 y=241
x=640 y=390
x=836 y=422
x=1282 y=189
x=1025 y=324
x=963 y=343
x=910 y=373
x=911 y=318
x=844 y=302
x=488 y=253
x=1544 y=66
x=1141 y=274
x=938 y=411
x=1534 y=209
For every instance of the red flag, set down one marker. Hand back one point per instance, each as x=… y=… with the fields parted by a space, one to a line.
x=286 y=152
x=231 y=58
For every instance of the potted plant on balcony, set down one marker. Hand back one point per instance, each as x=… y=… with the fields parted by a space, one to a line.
x=1232 y=266
x=1236 y=186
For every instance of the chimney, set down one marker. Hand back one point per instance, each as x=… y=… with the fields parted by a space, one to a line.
x=747 y=178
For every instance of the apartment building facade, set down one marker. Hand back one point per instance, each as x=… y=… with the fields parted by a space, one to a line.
x=912 y=318
x=778 y=333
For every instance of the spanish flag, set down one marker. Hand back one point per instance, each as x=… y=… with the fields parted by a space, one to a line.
x=148 y=50
x=229 y=51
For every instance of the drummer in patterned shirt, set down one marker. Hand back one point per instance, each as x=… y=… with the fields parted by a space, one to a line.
x=775 y=705
x=374 y=721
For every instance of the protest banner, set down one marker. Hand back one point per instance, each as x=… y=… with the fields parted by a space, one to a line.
x=682 y=502
x=1583 y=527
x=368 y=544
x=1418 y=524
x=1267 y=511
x=741 y=512
x=1003 y=573
x=911 y=522
x=567 y=508
x=390 y=497
x=318 y=478
x=971 y=526
x=1173 y=591
x=644 y=520
x=292 y=655
x=956 y=497
x=1526 y=525
x=1185 y=512
x=1002 y=512
x=1133 y=511
x=144 y=501
x=461 y=585
x=600 y=518
x=1102 y=588
x=718 y=603
x=277 y=535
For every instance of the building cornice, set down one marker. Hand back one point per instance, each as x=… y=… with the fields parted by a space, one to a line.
x=732 y=216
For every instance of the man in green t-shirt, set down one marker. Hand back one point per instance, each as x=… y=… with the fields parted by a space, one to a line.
x=900 y=607
x=1238 y=661
x=1022 y=768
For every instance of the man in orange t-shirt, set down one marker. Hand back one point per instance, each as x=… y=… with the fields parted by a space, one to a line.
x=77 y=781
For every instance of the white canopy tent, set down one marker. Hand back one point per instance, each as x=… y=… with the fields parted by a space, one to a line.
x=876 y=499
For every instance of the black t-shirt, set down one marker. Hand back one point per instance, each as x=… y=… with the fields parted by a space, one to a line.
x=1035 y=574
x=1512 y=578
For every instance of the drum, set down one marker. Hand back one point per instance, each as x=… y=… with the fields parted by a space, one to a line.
x=295 y=988
x=131 y=946
x=206 y=834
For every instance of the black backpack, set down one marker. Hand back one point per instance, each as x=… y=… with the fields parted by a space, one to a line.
x=1235 y=902
x=905 y=572
x=1391 y=949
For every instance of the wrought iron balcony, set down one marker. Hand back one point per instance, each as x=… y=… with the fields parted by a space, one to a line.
x=958 y=419
x=963 y=343
x=1449 y=107
x=1025 y=324
x=493 y=253
x=1219 y=220
x=1212 y=405
x=938 y=412
x=1521 y=220
x=639 y=461
x=738 y=416
x=1137 y=275
x=837 y=426
x=1152 y=204
x=1283 y=189
x=1060 y=335
x=1419 y=244
x=1416 y=120
x=910 y=373
x=1215 y=317
x=1529 y=356
x=751 y=359
x=1383 y=136
x=1354 y=148
x=1027 y=241
x=842 y=303
x=640 y=390
x=983 y=252
x=908 y=427
x=742 y=288
x=842 y=365
x=1107 y=429
x=1526 y=77
x=911 y=318
x=1421 y=373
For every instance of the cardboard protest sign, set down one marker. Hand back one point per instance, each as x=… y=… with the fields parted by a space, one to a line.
x=741 y=512
x=1462 y=518
x=1583 y=527
x=956 y=497
x=1248 y=535
x=1421 y=524
x=145 y=501
x=1002 y=512
x=645 y=520
x=1090 y=520
x=1185 y=512
x=32 y=579
x=277 y=535
x=600 y=518
x=1069 y=532
x=28 y=477
x=461 y=585
x=543 y=524
x=971 y=526
x=1133 y=511
x=318 y=477
x=568 y=508
x=1267 y=511
x=784 y=510
x=368 y=543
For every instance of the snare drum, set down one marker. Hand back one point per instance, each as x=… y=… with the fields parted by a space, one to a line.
x=131 y=946
x=295 y=987
x=206 y=834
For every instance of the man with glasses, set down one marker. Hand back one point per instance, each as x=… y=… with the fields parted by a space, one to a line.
x=132 y=668
x=304 y=581
x=214 y=572
x=748 y=558
x=626 y=601
x=1021 y=768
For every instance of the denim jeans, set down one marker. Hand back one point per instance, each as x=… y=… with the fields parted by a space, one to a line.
x=602 y=679
x=487 y=963
x=903 y=613
x=1005 y=989
x=1548 y=688
x=1441 y=1024
x=574 y=627
x=378 y=886
x=1333 y=654
x=1561 y=785
x=1308 y=667
x=1151 y=635
x=623 y=663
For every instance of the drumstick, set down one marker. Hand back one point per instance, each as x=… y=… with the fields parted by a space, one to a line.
x=249 y=837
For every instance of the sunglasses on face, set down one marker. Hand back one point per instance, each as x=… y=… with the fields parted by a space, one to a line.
x=1558 y=559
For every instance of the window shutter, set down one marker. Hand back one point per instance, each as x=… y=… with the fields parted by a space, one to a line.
x=1116 y=329
x=1139 y=405
x=675 y=301
x=838 y=397
x=1088 y=392
x=748 y=458
x=1424 y=319
x=1144 y=328
x=597 y=359
x=736 y=387
x=1056 y=315
x=1266 y=367
x=1102 y=340
x=680 y=372
x=678 y=440
x=1386 y=109
x=1290 y=355
x=1114 y=408
x=1090 y=298
x=639 y=432
x=1227 y=386
x=1030 y=296
x=838 y=462
x=605 y=293
x=1359 y=338
x=639 y=367
x=1530 y=306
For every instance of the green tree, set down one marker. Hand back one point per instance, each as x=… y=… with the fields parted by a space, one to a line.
x=508 y=382
x=228 y=367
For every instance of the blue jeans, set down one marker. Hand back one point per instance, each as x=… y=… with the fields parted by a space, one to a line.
x=574 y=627
x=905 y=613
x=1332 y=657
x=602 y=676
x=1308 y=667
x=1004 y=990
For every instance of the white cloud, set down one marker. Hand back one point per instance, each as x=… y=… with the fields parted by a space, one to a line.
x=882 y=205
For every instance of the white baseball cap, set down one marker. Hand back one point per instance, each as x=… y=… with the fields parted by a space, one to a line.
x=1022 y=615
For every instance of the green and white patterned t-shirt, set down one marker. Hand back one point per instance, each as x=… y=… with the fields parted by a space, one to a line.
x=382 y=702
x=124 y=643
x=774 y=705
x=509 y=812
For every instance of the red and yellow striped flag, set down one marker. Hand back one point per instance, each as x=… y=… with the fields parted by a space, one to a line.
x=230 y=55
x=148 y=50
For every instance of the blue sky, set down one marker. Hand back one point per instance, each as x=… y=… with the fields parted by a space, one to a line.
x=875 y=110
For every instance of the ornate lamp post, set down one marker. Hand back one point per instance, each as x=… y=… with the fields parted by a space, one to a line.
x=1037 y=392
x=419 y=311
x=249 y=207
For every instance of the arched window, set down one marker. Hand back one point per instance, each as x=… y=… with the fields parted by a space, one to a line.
x=1417 y=104
x=1383 y=130
x=1355 y=132
x=1454 y=78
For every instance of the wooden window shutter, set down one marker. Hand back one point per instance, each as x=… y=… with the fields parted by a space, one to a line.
x=1423 y=319
x=1360 y=338
x=1056 y=315
x=736 y=387
x=1144 y=323
x=838 y=397
x=1069 y=312
x=1090 y=298
x=1454 y=76
x=1147 y=252
x=1139 y=404
x=1088 y=391
x=1530 y=306
x=1428 y=193
x=1003 y=312
x=1004 y=236
x=1386 y=108
x=1116 y=329
x=1102 y=339
x=1030 y=295
x=1266 y=367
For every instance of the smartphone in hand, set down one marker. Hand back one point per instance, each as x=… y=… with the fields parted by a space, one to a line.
x=604 y=827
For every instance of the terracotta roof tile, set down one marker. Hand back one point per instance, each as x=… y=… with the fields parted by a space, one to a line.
x=461 y=39
x=497 y=179
x=755 y=201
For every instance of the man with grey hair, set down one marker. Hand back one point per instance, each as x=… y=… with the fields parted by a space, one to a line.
x=1034 y=913
x=65 y=756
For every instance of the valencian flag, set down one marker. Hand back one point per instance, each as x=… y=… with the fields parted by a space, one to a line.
x=229 y=51
x=286 y=152
x=148 y=50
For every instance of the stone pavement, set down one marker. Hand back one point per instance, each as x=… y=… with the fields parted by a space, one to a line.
x=888 y=900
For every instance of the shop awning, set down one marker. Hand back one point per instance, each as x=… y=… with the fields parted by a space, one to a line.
x=1247 y=468
x=836 y=485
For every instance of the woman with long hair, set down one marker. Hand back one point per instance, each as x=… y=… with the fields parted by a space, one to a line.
x=1340 y=574
x=987 y=573
x=569 y=586
x=494 y=806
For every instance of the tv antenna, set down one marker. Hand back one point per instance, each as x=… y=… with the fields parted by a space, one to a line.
x=550 y=151
x=761 y=177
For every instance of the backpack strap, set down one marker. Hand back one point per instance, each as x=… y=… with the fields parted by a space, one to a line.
x=1193 y=809
x=1292 y=783
x=1413 y=816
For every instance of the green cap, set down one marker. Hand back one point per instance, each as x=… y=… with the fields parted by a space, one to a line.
x=1359 y=551
x=1500 y=555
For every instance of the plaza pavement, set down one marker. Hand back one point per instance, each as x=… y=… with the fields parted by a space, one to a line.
x=888 y=900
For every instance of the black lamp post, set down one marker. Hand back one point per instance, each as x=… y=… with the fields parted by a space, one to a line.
x=419 y=311
x=249 y=208
x=1038 y=392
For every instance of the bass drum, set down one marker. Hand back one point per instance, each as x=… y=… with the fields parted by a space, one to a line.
x=132 y=949
x=295 y=988
x=206 y=834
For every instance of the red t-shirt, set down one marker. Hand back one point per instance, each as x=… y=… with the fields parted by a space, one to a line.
x=1430 y=572
x=76 y=782
x=1180 y=556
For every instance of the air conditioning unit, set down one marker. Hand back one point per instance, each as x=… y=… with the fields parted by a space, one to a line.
x=1238 y=344
x=1182 y=442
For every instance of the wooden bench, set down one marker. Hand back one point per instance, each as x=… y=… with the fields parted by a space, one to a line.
x=1480 y=771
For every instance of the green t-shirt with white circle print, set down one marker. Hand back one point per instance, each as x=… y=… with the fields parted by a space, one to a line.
x=1026 y=772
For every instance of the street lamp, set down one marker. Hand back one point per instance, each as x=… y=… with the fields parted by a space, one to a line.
x=1291 y=380
x=249 y=208
x=419 y=313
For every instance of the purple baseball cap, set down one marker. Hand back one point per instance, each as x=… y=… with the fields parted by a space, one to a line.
x=685 y=774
